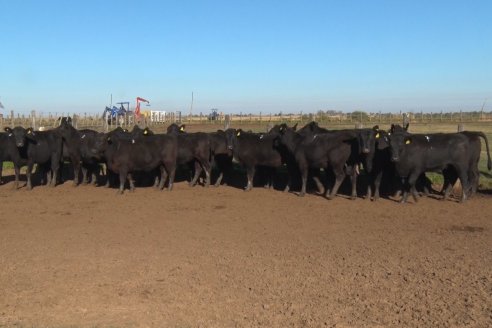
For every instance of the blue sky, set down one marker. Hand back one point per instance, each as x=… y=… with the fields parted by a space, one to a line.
x=248 y=56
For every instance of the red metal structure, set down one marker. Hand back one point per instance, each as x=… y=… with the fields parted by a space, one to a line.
x=137 y=109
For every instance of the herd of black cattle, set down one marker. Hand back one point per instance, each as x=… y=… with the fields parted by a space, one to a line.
x=396 y=157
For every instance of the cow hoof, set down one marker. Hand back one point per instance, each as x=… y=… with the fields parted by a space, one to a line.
x=301 y=194
x=217 y=185
x=119 y=192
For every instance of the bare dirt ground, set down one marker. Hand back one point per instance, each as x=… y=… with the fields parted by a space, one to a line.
x=223 y=258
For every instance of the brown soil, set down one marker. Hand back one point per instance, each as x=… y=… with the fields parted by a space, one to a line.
x=222 y=258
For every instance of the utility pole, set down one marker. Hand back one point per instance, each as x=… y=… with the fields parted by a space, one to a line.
x=481 y=112
x=191 y=107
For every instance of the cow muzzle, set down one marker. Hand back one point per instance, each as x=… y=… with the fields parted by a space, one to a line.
x=229 y=147
x=395 y=158
x=365 y=150
x=20 y=144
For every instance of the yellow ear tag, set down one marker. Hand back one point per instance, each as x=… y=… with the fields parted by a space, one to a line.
x=29 y=131
x=146 y=132
x=109 y=139
x=407 y=142
x=181 y=128
x=377 y=136
x=238 y=133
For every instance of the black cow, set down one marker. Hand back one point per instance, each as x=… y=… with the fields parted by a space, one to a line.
x=336 y=150
x=475 y=149
x=253 y=150
x=12 y=151
x=193 y=148
x=77 y=145
x=125 y=156
x=43 y=148
x=363 y=151
x=414 y=154
x=221 y=155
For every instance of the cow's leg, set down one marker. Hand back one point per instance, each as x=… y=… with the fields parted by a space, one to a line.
x=85 y=180
x=250 y=172
x=368 y=192
x=123 y=176
x=110 y=176
x=412 y=180
x=339 y=176
x=17 y=176
x=353 y=180
x=163 y=178
x=317 y=180
x=198 y=171
x=403 y=190
x=28 y=175
x=94 y=177
x=76 y=170
x=289 y=180
x=55 y=166
x=270 y=177
x=219 y=179
x=157 y=173
x=465 y=185
x=208 y=171
x=473 y=179
x=131 y=181
x=304 y=176
x=377 y=185
x=172 y=172
x=450 y=178
x=1 y=169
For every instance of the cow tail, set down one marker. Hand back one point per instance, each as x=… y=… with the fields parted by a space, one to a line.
x=489 y=161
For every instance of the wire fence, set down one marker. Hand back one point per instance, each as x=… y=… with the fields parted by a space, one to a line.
x=41 y=121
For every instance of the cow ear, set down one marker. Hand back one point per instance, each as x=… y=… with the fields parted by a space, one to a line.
x=146 y=131
x=294 y=128
x=408 y=141
x=7 y=129
x=29 y=131
x=125 y=130
x=182 y=128
x=375 y=127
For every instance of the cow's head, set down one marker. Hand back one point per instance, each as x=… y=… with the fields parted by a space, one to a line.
x=176 y=129
x=367 y=140
x=231 y=138
x=138 y=132
x=18 y=134
x=381 y=138
x=399 y=143
x=398 y=128
x=101 y=143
